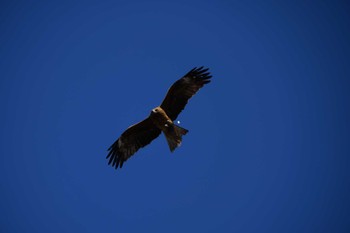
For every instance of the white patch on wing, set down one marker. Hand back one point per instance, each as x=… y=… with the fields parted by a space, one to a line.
x=127 y=149
x=187 y=79
x=120 y=143
x=178 y=122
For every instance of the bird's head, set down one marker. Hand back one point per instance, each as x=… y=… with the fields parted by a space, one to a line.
x=154 y=111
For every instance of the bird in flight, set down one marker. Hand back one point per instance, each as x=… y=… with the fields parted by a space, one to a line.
x=161 y=119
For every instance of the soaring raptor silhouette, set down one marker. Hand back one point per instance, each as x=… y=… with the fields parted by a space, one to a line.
x=160 y=120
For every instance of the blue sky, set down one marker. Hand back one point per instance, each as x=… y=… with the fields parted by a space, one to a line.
x=268 y=147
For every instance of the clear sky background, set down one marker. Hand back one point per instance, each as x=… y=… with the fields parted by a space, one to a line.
x=268 y=147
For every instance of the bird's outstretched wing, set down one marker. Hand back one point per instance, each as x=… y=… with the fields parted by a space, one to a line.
x=134 y=138
x=183 y=89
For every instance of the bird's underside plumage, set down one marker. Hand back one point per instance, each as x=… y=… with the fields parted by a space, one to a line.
x=160 y=120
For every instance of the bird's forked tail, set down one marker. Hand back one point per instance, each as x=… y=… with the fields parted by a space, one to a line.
x=174 y=136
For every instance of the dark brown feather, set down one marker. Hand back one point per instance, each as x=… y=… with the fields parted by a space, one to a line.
x=134 y=138
x=183 y=89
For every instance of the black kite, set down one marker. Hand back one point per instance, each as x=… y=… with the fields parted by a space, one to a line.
x=160 y=120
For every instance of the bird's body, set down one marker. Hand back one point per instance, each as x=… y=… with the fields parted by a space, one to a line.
x=172 y=132
x=160 y=119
